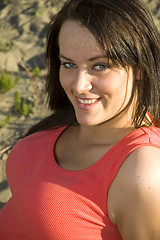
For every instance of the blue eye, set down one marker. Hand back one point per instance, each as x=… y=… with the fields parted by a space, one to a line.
x=68 y=65
x=101 y=67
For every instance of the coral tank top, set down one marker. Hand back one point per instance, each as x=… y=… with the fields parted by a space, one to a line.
x=49 y=202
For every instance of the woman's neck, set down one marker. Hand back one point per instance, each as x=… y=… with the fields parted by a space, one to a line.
x=107 y=133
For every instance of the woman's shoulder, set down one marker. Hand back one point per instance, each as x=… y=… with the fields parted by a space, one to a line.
x=140 y=137
x=153 y=131
x=145 y=131
x=145 y=158
x=37 y=139
x=141 y=169
x=143 y=150
x=152 y=134
x=138 y=150
x=137 y=184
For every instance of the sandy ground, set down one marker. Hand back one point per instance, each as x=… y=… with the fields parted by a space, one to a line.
x=23 y=29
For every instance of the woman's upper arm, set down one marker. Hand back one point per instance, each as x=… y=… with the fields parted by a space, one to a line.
x=138 y=198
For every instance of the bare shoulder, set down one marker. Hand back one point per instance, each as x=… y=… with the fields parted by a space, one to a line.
x=144 y=164
x=136 y=195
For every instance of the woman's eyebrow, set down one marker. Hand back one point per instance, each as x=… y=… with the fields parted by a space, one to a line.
x=61 y=56
x=90 y=59
x=97 y=57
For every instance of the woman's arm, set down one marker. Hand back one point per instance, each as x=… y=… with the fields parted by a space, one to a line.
x=136 y=195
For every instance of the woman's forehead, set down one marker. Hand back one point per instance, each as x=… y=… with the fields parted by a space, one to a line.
x=76 y=39
x=74 y=30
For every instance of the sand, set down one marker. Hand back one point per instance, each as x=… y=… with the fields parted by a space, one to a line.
x=23 y=29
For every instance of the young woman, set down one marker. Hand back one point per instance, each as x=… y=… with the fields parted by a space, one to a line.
x=92 y=169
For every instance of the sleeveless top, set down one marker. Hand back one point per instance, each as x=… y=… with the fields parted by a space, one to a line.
x=49 y=202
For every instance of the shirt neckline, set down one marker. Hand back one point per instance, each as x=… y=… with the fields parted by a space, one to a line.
x=107 y=154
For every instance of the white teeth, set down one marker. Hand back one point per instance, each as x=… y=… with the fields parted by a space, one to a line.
x=85 y=101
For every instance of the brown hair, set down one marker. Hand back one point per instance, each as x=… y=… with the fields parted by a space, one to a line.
x=126 y=31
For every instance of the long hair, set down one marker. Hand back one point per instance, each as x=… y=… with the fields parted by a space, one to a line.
x=127 y=33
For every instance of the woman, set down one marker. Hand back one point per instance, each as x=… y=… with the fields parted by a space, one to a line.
x=91 y=169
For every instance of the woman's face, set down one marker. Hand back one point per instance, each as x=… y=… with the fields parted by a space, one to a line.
x=97 y=90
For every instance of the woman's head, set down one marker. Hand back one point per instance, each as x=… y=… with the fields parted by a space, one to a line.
x=124 y=29
x=98 y=90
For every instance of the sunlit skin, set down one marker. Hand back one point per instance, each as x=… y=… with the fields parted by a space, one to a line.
x=97 y=90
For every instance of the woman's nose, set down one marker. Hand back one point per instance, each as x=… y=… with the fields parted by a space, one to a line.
x=82 y=82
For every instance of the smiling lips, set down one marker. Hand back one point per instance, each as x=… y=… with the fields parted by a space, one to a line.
x=86 y=103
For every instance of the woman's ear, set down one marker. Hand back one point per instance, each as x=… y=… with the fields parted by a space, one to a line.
x=138 y=74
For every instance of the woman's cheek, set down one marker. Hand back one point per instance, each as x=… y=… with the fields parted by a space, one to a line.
x=113 y=81
x=66 y=84
x=109 y=85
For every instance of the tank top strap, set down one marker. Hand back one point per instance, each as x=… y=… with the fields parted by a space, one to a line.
x=140 y=137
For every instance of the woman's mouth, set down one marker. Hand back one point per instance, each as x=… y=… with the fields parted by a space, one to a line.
x=87 y=103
